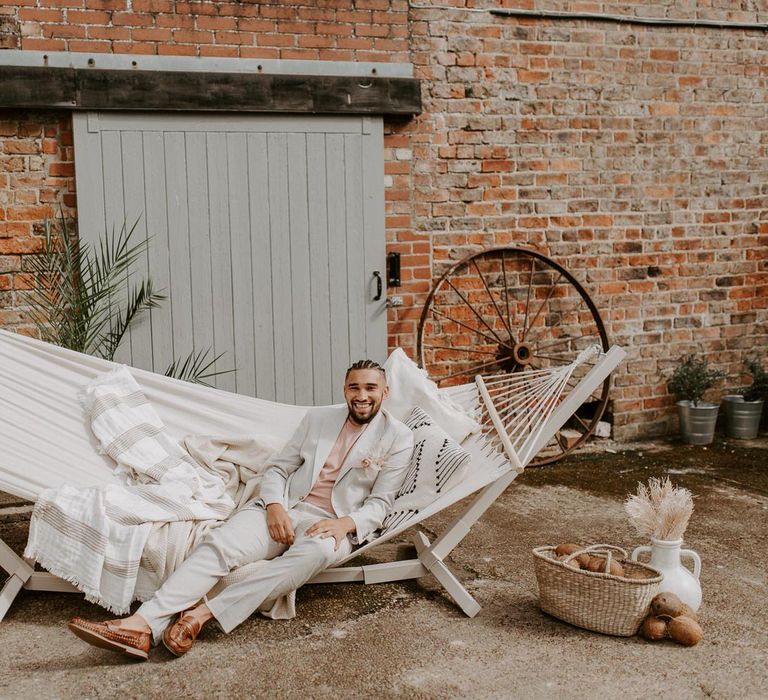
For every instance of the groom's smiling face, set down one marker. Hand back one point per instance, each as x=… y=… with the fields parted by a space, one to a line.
x=364 y=390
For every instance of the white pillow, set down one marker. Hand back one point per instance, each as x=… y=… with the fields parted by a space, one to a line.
x=437 y=464
x=410 y=386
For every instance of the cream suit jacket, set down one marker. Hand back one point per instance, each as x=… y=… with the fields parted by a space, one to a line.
x=365 y=494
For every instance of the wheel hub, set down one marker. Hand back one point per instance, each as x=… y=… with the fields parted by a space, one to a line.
x=513 y=358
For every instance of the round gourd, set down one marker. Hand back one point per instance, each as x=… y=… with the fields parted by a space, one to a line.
x=596 y=564
x=685 y=631
x=666 y=603
x=653 y=628
x=688 y=612
x=563 y=558
x=567 y=548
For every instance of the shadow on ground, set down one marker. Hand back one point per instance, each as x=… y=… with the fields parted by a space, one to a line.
x=409 y=640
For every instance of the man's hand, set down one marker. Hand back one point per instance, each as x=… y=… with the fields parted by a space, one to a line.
x=279 y=524
x=338 y=528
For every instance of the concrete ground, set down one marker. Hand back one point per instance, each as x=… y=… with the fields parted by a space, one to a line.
x=409 y=640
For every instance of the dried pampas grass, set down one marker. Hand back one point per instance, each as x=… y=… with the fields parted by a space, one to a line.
x=660 y=509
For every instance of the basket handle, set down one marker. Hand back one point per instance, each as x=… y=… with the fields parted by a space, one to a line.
x=599 y=549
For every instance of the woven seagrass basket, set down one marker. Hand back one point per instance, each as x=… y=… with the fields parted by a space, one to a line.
x=596 y=601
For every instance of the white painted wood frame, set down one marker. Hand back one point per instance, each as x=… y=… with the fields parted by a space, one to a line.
x=430 y=556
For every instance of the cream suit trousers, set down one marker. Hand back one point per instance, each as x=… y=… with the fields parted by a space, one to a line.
x=244 y=539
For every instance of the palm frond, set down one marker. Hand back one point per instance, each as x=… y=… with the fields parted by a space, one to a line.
x=77 y=289
x=105 y=278
x=196 y=367
x=84 y=299
x=141 y=297
x=56 y=280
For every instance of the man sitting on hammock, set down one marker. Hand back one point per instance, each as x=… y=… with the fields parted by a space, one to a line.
x=329 y=488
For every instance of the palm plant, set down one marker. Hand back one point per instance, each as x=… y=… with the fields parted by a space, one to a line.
x=84 y=297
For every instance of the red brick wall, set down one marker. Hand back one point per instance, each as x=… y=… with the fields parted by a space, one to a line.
x=36 y=160
x=36 y=182
x=636 y=156
x=339 y=30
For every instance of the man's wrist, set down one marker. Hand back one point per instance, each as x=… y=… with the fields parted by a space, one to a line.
x=274 y=503
x=349 y=523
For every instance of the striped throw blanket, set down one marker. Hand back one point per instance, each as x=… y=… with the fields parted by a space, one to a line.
x=119 y=542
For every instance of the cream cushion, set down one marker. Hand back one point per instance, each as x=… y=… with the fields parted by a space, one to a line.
x=437 y=464
x=409 y=386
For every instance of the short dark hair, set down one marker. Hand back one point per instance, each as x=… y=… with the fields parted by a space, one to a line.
x=365 y=364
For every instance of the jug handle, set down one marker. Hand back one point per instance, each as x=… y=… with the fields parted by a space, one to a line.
x=696 y=560
x=639 y=550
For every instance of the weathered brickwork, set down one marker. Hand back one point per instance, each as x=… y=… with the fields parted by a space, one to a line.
x=36 y=182
x=339 y=30
x=634 y=155
x=713 y=10
x=10 y=30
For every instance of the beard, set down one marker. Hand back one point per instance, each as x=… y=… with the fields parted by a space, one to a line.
x=363 y=419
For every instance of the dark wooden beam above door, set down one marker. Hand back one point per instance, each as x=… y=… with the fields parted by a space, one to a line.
x=188 y=91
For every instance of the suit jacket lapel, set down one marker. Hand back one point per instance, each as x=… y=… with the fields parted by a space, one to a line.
x=329 y=431
x=363 y=445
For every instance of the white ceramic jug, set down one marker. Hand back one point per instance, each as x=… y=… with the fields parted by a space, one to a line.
x=666 y=557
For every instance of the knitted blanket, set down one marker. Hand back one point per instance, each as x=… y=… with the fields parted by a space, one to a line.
x=117 y=543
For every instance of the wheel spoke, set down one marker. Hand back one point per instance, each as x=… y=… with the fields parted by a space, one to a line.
x=559 y=443
x=495 y=305
x=583 y=424
x=474 y=311
x=533 y=337
x=506 y=294
x=561 y=341
x=469 y=370
x=527 y=301
x=595 y=393
x=464 y=325
x=455 y=347
x=564 y=360
x=538 y=312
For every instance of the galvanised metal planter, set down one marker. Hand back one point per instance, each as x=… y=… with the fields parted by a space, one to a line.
x=742 y=418
x=697 y=423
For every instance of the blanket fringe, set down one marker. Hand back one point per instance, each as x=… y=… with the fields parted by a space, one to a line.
x=91 y=595
x=85 y=393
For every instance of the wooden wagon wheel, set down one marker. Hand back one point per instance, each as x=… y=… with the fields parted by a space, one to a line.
x=512 y=310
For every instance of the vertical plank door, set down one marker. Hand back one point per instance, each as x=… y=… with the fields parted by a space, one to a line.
x=263 y=232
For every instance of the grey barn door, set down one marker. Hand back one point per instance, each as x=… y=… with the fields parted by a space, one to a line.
x=264 y=233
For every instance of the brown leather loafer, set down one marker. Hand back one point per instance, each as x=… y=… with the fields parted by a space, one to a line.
x=109 y=635
x=179 y=637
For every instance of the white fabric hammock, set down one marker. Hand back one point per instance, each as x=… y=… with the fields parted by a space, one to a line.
x=45 y=441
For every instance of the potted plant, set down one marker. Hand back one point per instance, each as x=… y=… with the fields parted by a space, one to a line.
x=690 y=380
x=80 y=297
x=744 y=409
